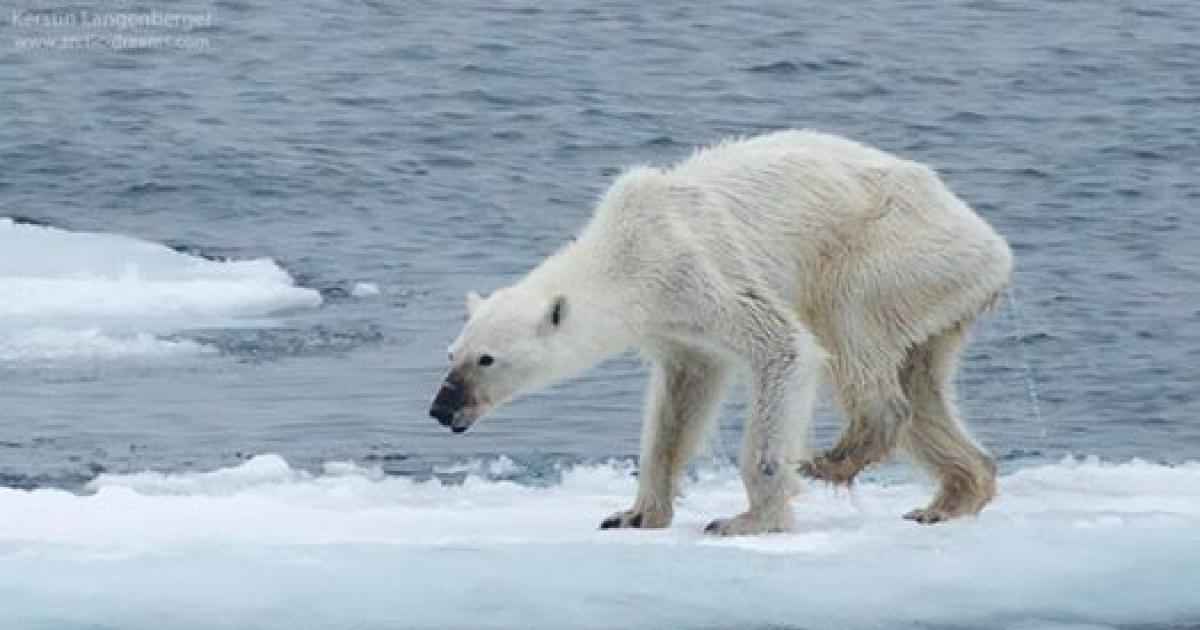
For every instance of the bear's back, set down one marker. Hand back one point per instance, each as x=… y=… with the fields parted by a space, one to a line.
x=733 y=158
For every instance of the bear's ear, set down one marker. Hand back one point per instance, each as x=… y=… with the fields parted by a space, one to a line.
x=558 y=310
x=473 y=302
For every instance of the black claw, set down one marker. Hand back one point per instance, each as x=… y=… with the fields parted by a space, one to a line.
x=636 y=521
x=611 y=522
x=924 y=517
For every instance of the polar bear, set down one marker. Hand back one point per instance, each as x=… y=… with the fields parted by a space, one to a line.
x=795 y=258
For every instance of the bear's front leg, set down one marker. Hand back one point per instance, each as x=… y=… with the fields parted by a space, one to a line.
x=686 y=387
x=769 y=489
x=785 y=379
x=769 y=485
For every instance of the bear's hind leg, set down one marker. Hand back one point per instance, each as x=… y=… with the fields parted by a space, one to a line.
x=937 y=439
x=685 y=391
x=875 y=414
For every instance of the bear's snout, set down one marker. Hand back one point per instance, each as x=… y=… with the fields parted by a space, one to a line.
x=449 y=402
x=443 y=414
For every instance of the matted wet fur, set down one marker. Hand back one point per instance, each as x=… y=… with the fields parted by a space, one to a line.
x=922 y=420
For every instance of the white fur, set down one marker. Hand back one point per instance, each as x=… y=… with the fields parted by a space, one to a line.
x=795 y=256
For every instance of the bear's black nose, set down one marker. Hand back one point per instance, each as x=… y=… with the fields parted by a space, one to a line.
x=450 y=399
x=444 y=415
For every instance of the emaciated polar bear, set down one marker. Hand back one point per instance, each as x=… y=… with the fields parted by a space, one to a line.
x=797 y=255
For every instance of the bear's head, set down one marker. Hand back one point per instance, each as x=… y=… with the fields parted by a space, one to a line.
x=516 y=340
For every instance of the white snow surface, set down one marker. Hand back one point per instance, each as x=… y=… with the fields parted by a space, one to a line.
x=67 y=295
x=1079 y=543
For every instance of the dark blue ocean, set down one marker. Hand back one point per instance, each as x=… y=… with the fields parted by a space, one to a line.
x=433 y=150
x=428 y=149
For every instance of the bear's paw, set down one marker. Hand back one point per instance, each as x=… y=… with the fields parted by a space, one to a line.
x=832 y=468
x=637 y=518
x=928 y=516
x=750 y=523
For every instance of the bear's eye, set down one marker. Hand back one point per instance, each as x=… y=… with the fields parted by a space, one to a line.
x=486 y=360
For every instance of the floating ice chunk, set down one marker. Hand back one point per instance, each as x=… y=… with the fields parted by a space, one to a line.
x=52 y=344
x=364 y=289
x=109 y=295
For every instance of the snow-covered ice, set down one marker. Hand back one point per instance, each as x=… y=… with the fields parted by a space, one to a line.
x=40 y=344
x=1079 y=542
x=70 y=294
